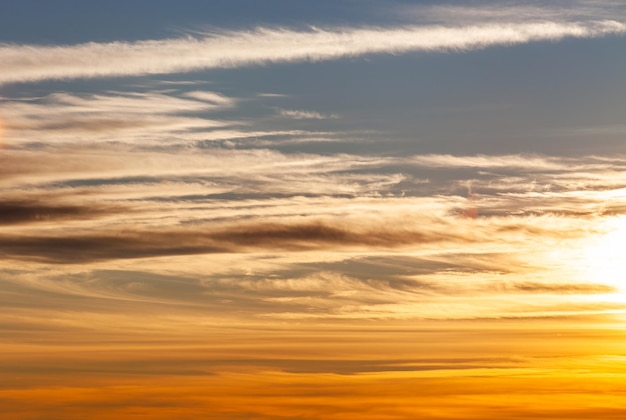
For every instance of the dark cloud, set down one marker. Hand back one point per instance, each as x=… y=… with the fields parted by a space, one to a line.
x=202 y=240
x=86 y=125
x=192 y=365
x=89 y=248
x=30 y=211
x=307 y=235
x=568 y=288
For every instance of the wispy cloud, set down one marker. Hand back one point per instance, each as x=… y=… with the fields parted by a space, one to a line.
x=112 y=116
x=297 y=114
x=227 y=49
x=157 y=119
x=447 y=13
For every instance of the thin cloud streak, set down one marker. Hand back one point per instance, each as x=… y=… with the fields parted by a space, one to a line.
x=298 y=114
x=509 y=11
x=231 y=49
x=31 y=211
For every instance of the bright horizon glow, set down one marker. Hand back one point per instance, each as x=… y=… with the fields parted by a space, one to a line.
x=603 y=258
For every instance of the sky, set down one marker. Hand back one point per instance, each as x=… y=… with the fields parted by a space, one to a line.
x=292 y=209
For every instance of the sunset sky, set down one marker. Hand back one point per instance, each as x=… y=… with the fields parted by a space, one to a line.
x=329 y=209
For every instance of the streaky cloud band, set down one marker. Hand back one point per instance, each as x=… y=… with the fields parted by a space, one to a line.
x=232 y=49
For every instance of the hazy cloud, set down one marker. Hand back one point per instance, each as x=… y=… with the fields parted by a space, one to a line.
x=448 y=13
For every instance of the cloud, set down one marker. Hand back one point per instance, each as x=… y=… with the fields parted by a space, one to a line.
x=559 y=288
x=229 y=49
x=279 y=234
x=62 y=117
x=129 y=244
x=305 y=115
x=169 y=119
x=509 y=11
x=30 y=211
x=525 y=163
x=285 y=233
x=196 y=185
x=272 y=95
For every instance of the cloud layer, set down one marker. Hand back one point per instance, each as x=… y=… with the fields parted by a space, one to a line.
x=306 y=236
x=327 y=241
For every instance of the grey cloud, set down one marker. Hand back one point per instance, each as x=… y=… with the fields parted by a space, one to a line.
x=84 y=124
x=107 y=246
x=136 y=244
x=31 y=211
x=563 y=288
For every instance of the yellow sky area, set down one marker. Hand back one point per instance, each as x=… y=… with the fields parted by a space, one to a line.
x=521 y=393
x=522 y=369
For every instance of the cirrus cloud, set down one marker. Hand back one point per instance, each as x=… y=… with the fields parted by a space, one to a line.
x=231 y=49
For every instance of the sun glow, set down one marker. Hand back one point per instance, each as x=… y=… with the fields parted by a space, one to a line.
x=604 y=256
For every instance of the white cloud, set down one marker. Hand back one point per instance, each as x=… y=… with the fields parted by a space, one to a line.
x=22 y=63
x=211 y=97
x=272 y=95
x=306 y=115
